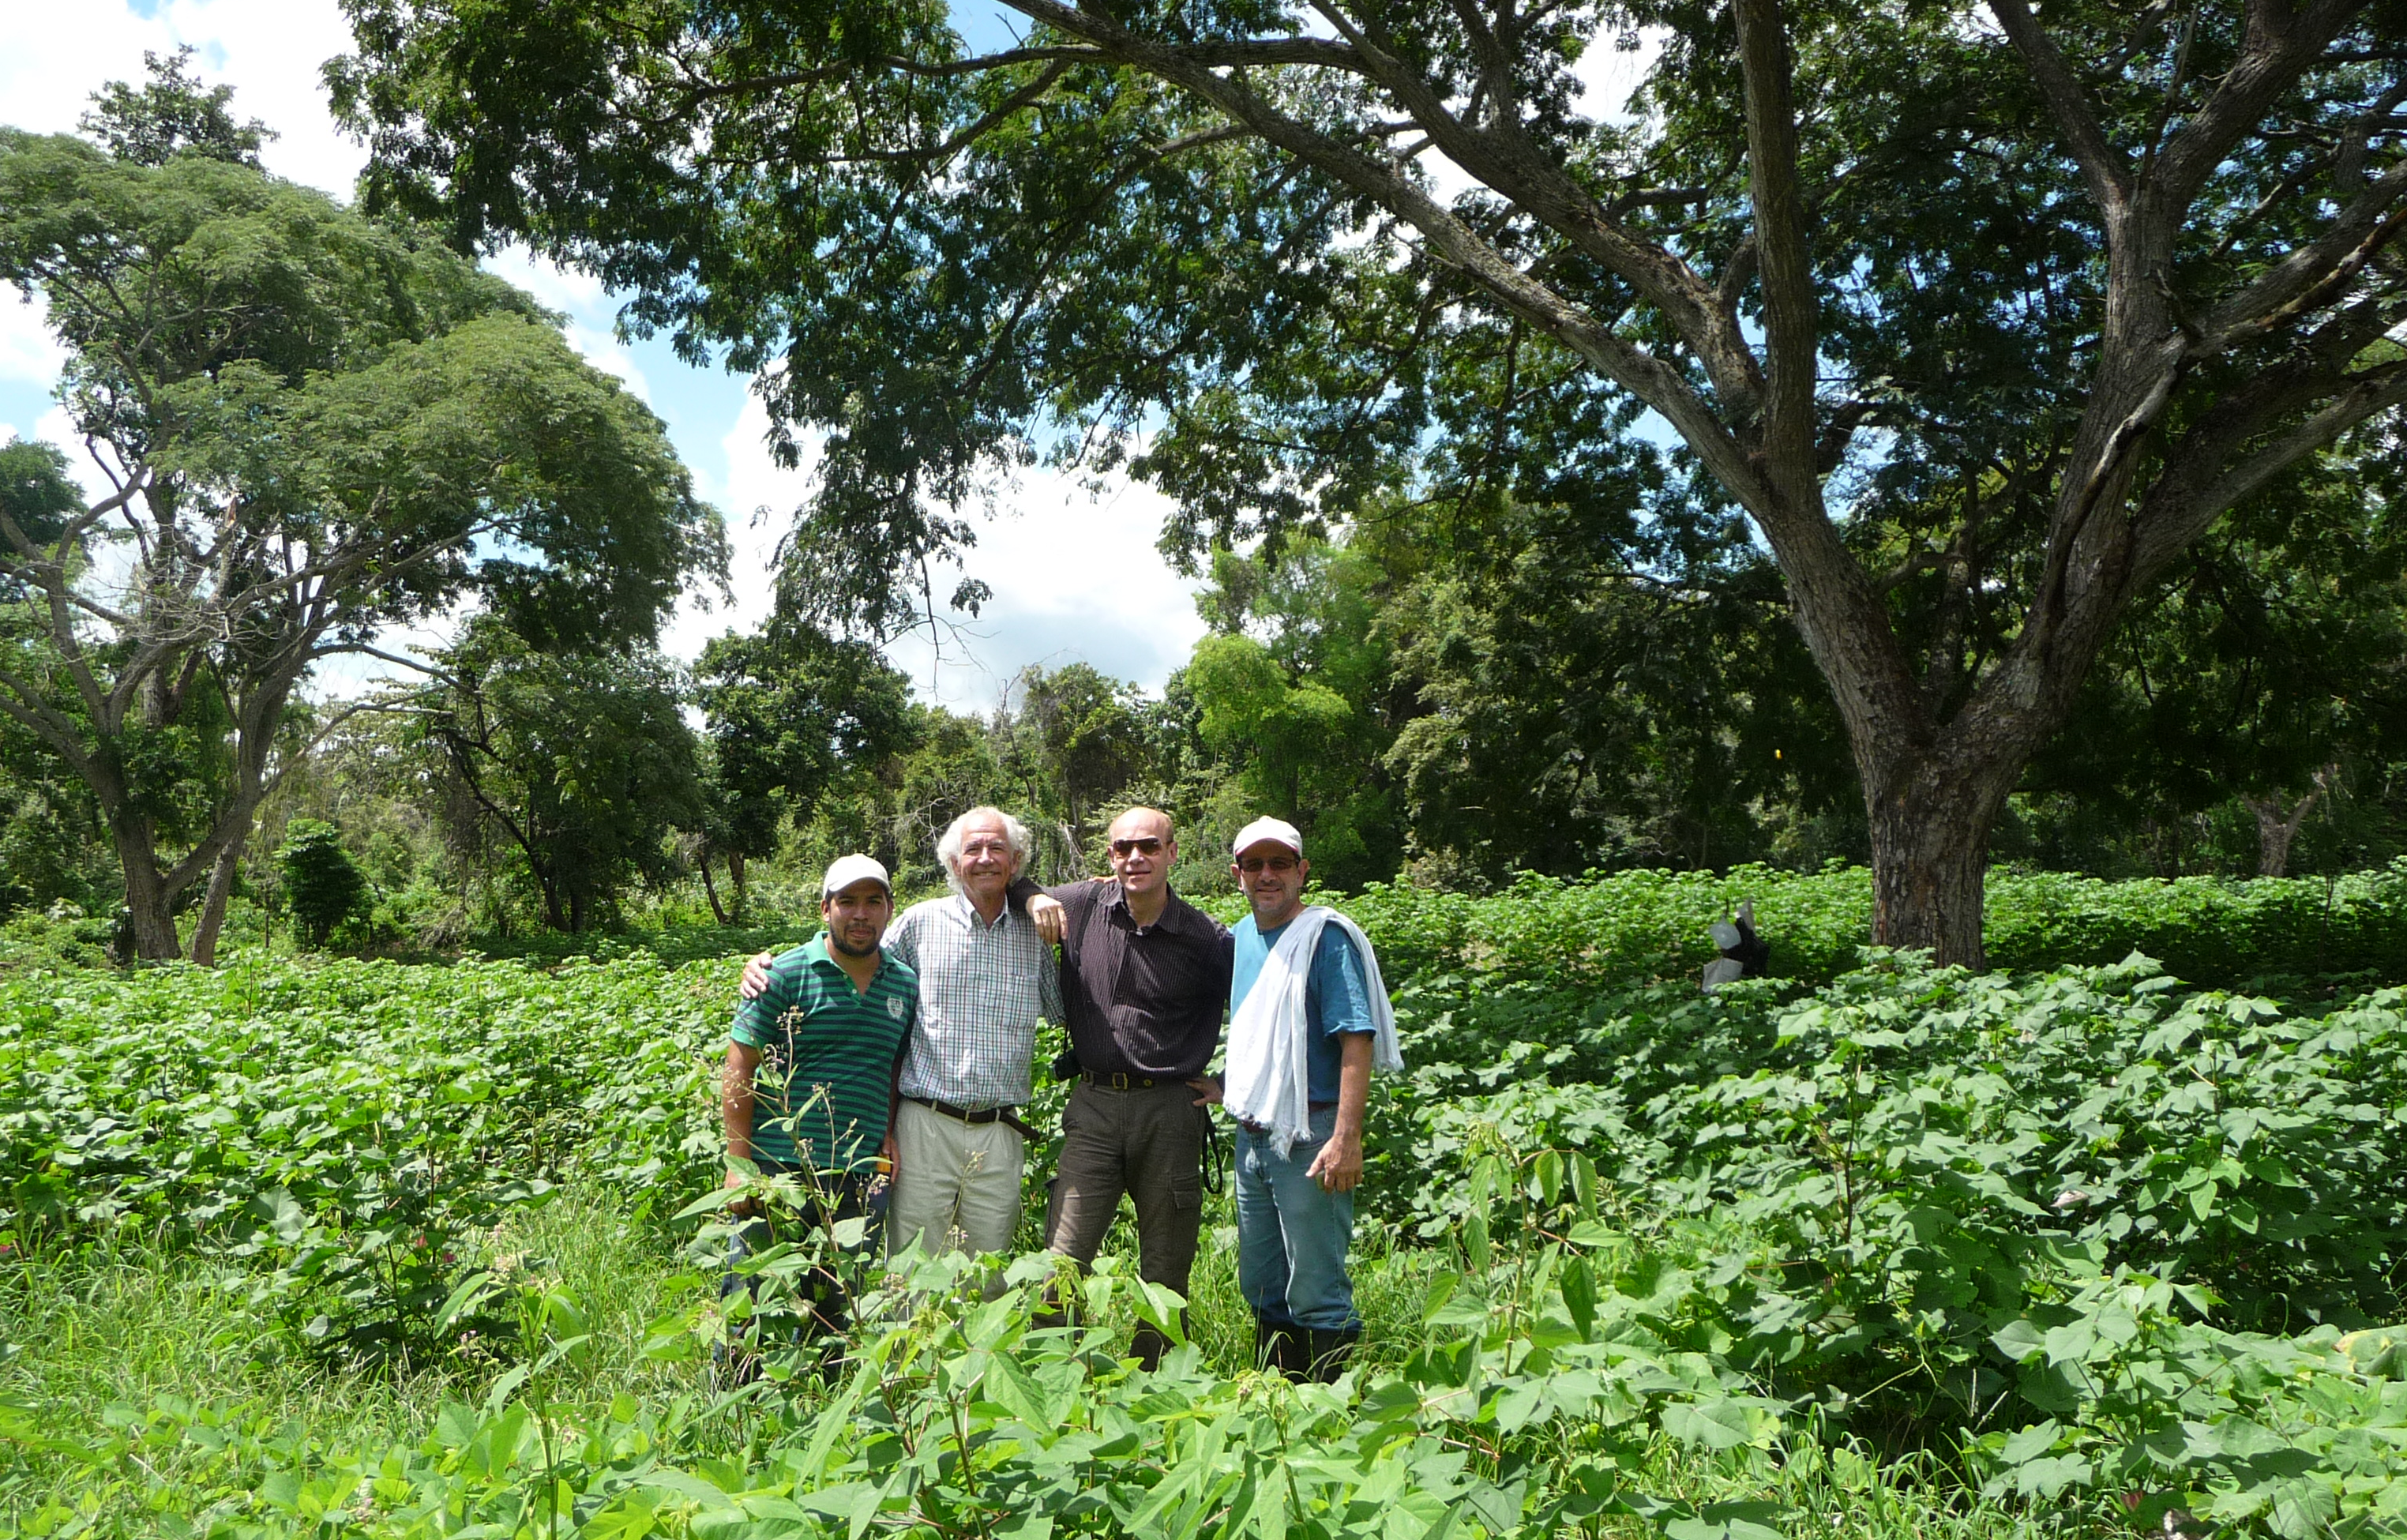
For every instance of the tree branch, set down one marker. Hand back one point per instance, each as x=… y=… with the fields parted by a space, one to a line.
x=2317 y=272
x=2109 y=178
x=2162 y=536
x=1788 y=310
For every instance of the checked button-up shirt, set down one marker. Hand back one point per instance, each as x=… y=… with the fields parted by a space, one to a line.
x=981 y=988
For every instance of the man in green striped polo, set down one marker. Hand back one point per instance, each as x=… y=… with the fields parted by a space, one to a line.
x=809 y=1084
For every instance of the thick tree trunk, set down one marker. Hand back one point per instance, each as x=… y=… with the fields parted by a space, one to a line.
x=148 y=899
x=743 y=893
x=213 y=908
x=1930 y=852
x=710 y=889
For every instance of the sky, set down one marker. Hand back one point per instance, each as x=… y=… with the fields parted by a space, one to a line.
x=1075 y=572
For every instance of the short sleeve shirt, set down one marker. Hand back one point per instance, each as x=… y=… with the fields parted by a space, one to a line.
x=828 y=1054
x=1336 y=997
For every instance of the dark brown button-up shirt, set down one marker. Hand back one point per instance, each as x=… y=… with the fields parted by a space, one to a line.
x=1141 y=1001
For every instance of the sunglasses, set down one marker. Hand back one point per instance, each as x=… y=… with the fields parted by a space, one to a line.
x=1147 y=846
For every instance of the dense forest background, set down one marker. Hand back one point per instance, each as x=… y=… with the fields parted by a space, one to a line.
x=1569 y=651
x=1427 y=710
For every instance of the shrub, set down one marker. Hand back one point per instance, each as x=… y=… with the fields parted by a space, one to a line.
x=322 y=886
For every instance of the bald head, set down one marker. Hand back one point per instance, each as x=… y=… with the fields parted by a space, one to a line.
x=1142 y=849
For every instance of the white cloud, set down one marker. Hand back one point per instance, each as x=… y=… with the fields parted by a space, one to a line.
x=759 y=499
x=578 y=294
x=1607 y=75
x=604 y=351
x=54 y=56
x=53 y=427
x=1076 y=578
x=28 y=351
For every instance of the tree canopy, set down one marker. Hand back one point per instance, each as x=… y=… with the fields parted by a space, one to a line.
x=315 y=426
x=788 y=712
x=580 y=761
x=1979 y=317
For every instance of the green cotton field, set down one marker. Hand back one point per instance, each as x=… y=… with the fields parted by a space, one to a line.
x=330 y=1247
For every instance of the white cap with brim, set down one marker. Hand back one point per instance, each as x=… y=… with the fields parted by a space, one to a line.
x=1277 y=831
x=848 y=870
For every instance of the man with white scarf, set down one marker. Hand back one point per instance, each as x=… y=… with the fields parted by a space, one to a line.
x=1308 y=1022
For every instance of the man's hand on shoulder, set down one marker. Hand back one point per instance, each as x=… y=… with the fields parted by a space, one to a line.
x=756 y=975
x=1049 y=917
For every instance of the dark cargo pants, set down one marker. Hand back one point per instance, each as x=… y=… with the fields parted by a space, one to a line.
x=1149 y=1144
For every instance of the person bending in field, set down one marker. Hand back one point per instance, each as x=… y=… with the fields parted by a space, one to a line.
x=809 y=1084
x=985 y=975
x=1308 y=1021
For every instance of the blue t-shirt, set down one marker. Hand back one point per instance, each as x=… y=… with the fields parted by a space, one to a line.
x=1336 y=996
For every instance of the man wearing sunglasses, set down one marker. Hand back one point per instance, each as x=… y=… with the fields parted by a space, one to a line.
x=1144 y=976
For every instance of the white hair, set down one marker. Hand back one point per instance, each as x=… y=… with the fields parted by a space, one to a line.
x=948 y=844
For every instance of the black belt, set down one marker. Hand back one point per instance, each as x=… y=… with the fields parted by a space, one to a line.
x=1117 y=1081
x=1007 y=1116
x=1265 y=1128
x=987 y=1115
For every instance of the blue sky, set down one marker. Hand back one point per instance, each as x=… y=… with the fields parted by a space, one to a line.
x=1075 y=575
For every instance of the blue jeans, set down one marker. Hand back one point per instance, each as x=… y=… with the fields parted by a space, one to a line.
x=1292 y=1235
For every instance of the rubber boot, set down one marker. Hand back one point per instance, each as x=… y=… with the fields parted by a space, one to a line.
x=1147 y=1345
x=1329 y=1352
x=1286 y=1349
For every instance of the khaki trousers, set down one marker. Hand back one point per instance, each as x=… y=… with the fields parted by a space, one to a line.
x=956 y=1184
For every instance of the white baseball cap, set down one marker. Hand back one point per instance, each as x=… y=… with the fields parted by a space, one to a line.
x=1277 y=830
x=849 y=870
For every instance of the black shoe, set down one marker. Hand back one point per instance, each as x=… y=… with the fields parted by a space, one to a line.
x=1328 y=1352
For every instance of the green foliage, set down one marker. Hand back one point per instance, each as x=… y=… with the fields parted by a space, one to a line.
x=789 y=713
x=2086 y=1241
x=1074 y=742
x=348 y=1133
x=576 y=765
x=322 y=886
x=323 y=426
x=2259 y=669
x=1616 y=927
x=172 y=115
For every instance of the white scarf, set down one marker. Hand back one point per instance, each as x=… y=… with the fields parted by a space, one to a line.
x=1268 y=1082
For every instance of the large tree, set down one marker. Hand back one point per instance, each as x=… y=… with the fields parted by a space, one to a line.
x=313 y=426
x=1982 y=316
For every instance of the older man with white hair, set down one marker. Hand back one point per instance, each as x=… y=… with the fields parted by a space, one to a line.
x=985 y=977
